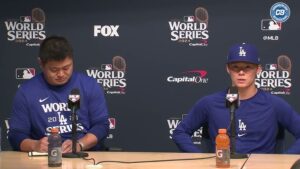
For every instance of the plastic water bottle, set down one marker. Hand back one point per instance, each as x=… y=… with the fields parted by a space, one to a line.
x=54 y=149
x=222 y=149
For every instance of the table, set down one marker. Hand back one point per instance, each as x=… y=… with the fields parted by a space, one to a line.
x=17 y=160
x=271 y=161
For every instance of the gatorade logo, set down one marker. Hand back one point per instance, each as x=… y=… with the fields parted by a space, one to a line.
x=219 y=153
x=54 y=152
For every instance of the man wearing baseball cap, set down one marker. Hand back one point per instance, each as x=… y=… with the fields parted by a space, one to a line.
x=259 y=116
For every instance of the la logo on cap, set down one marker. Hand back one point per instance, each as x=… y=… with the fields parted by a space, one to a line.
x=242 y=52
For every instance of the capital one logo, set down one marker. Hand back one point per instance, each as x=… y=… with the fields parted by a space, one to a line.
x=106 y=30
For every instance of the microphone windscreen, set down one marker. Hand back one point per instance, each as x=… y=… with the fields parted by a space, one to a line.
x=75 y=91
x=74 y=98
x=232 y=97
x=233 y=90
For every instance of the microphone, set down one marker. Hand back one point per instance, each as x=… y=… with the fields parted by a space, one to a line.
x=232 y=102
x=74 y=105
x=74 y=100
x=232 y=99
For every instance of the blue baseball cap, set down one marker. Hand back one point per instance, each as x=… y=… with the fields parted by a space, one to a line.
x=243 y=53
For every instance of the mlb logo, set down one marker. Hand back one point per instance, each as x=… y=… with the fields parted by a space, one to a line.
x=25 y=73
x=112 y=123
x=74 y=98
x=106 y=67
x=231 y=97
x=25 y=18
x=271 y=67
x=270 y=24
x=189 y=19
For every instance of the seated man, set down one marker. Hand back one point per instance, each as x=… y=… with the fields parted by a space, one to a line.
x=258 y=118
x=41 y=103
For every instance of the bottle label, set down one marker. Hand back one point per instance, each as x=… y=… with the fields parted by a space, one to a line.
x=223 y=156
x=55 y=156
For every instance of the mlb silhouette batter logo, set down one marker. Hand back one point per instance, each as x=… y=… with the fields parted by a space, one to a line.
x=25 y=73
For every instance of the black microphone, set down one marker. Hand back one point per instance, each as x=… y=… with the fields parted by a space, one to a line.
x=74 y=105
x=74 y=100
x=232 y=99
x=233 y=102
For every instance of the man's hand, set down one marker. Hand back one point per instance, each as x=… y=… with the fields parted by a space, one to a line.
x=67 y=146
x=41 y=145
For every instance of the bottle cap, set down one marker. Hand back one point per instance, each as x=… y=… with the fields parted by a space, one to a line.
x=222 y=131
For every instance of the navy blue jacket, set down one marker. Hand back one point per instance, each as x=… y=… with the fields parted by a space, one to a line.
x=257 y=122
x=38 y=107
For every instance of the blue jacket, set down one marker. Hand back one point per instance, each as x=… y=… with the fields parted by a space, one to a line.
x=38 y=106
x=257 y=122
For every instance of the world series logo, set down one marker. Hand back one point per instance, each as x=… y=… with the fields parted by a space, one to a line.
x=27 y=29
x=276 y=77
x=111 y=76
x=191 y=29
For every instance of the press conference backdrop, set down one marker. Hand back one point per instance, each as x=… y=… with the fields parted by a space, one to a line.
x=154 y=59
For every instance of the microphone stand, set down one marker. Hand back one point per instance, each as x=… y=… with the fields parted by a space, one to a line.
x=233 y=154
x=296 y=164
x=74 y=154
